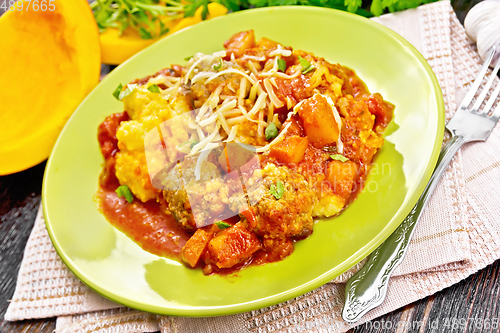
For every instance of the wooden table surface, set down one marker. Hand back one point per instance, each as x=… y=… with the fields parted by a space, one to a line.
x=472 y=305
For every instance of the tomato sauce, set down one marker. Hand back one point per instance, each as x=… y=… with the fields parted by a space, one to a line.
x=145 y=223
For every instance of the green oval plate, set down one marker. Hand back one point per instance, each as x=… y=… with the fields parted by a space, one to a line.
x=114 y=266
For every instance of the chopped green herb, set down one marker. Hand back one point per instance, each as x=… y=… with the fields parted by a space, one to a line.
x=222 y=225
x=154 y=88
x=145 y=16
x=217 y=67
x=117 y=91
x=339 y=157
x=191 y=142
x=306 y=65
x=130 y=88
x=124 y=191
x=192 y=5
x=271 y=131
x=277 y=190
x=188 y=58
x=282 y=65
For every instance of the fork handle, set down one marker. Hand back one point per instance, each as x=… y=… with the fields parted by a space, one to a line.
x=367 y=289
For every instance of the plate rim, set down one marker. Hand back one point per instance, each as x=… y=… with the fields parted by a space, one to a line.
x=312 y=284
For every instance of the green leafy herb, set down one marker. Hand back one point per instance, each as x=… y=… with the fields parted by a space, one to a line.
x=306 y=65
x=193 y=5
x=271 y=131
x=188 y=58
x=128 y=90
x=124 y=191
x=282 y=65
x=117 y=91
x=217 y=67
x=154 y=88
x=363 y=8
x=147 y=17
x=145 y=34
x=339 y=157
x=222 y=225
x=277 y=190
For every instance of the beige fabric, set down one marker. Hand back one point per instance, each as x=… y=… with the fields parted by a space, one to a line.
x=458 y=233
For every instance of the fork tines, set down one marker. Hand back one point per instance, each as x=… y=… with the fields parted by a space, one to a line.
x=493 y=55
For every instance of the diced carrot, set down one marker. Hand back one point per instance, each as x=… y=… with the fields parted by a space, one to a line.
x=342 y=176
x=195 y=246
x=319 y=122
x=232 y=246
x=289 y=150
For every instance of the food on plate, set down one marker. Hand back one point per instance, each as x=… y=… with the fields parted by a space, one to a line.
x=226 y=161
x=56 y=43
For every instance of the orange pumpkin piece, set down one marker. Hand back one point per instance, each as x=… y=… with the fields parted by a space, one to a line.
x=232 y=246
x=195 y=246
x=289 y=150
x=52 y=61
x=239 y=43
x=342 y=177
x=318 y=120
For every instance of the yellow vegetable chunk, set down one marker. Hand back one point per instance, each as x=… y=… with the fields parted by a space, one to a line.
x=319 y=122
x=116 y=49
x=51 y=62
x=290 y=149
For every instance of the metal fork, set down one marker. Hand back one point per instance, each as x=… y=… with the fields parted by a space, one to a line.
x=367 y=289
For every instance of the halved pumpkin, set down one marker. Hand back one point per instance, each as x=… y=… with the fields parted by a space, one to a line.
x=116 y=49
x=51 y=61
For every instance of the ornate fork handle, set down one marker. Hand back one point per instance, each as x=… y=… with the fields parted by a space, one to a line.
x=367 y=288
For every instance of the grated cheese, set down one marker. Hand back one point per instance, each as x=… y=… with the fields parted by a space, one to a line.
x=251 y=57
x=232 y=134
x=272 y=96
x=230 y=70
x=260 y=126
x=202 y=158
x=243 y=91
x=251 y=65
x=338 y=120
x=202 y=144
x=280 y=51
x=259 y=104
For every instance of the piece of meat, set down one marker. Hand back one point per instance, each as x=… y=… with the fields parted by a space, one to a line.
x=288 y=216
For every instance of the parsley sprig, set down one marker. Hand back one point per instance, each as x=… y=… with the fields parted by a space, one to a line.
x=142 y=15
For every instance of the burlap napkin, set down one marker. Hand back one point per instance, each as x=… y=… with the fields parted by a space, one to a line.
x=457 y=236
